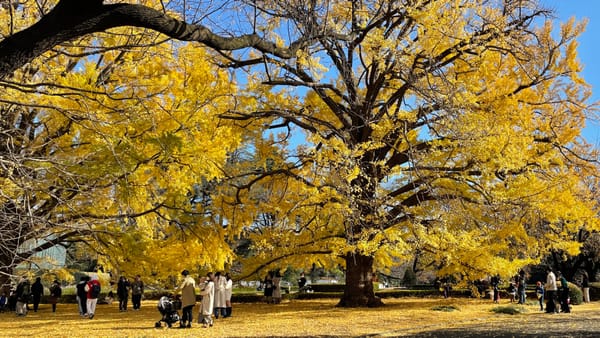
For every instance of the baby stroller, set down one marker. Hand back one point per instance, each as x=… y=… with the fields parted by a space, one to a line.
x=168 y=307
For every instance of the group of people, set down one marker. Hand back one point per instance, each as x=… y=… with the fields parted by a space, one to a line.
x=88 y=291
x=124 y=286
x=272 y=287
x=215 y=289
x=554 y=292
x=517 y=289
x=27 y=293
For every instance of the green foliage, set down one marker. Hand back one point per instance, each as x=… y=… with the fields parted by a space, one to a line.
x=510 y=309
x=576 y=294
x=445 y=308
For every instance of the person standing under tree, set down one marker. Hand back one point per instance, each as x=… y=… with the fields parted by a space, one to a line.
x=208 y=298
x=55 y=294
x=539 y=292
x=137 y=291
x=23 y=292
x=564 y=294
x=301 y=282
x=123 y=293
x=268 y=287
x=37 y=290
x=219 y=303
x=495 y=281
x=277 y=288
x=82 y=295
x=93 y=292
x=188 y=299
x=585 y=287
x=550 y=294
x=228 y=294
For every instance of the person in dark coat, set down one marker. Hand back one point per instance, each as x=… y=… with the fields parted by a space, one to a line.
x=82 y=295
x=37 y=290
x=123 y=293
x=137 y=292
x=55 y=294
x=564 y=294
x=268 y=287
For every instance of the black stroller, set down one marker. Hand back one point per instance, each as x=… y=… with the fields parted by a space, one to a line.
x=168 y=307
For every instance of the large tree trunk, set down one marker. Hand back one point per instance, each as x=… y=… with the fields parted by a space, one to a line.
x=359 y=282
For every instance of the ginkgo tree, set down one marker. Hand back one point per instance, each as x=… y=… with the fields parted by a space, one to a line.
x=448 y=129
x=103 y=140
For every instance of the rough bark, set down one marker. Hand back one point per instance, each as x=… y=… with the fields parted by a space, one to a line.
x=71 y=19
x=359 y=283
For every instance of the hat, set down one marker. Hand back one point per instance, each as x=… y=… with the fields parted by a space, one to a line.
x=185 y=272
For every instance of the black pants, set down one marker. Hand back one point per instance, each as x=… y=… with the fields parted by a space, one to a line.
x=550 y=305
x=137 y=301
x=36 y=303
x=564 y=301
x=186 y=314
x=123 y=304
x=83 y=304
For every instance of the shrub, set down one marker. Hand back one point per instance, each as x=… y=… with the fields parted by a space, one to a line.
x=575 y=294
x=509 y=309
x=445 y=308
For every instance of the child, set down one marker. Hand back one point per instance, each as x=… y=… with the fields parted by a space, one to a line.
x=512 y=292
x=539 y=291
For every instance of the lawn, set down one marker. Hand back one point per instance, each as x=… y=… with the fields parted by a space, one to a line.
x=413 y=317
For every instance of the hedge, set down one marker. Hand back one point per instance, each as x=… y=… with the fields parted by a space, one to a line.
x=336 y=291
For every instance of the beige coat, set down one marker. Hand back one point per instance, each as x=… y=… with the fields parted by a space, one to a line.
x=188 y=292
x=220 y=284
x=276 y=287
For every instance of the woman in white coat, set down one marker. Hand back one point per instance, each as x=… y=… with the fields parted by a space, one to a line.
x=207 y=303
x=220 y=304
x=228 y=293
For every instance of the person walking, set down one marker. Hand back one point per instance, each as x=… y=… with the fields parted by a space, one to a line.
x=301 y=282
x=23 y=292
x=268 y=287
x=82 y=295
x=585 y=286
x=137 y=291
x=495 y=281
x=92 y=290
x=207 y=303
x=564 y=294
x=539 y=292
x=55 y=294
x=188 y=299
x=228 y=294
x=521 y=287
x=550 y=293
x=123 y=293
x=277 y=288
x=219 y=302
x=37 y=291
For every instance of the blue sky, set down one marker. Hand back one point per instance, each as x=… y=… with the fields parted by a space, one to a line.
x=589 y=48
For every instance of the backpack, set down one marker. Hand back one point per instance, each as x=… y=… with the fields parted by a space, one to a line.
x=95 y=290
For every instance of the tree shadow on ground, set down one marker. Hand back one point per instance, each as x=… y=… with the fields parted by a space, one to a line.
x=467 y=333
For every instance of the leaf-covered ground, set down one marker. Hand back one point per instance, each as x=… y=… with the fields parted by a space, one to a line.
x=317 y=318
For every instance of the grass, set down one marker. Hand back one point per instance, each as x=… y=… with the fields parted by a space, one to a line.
x=416 y=317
